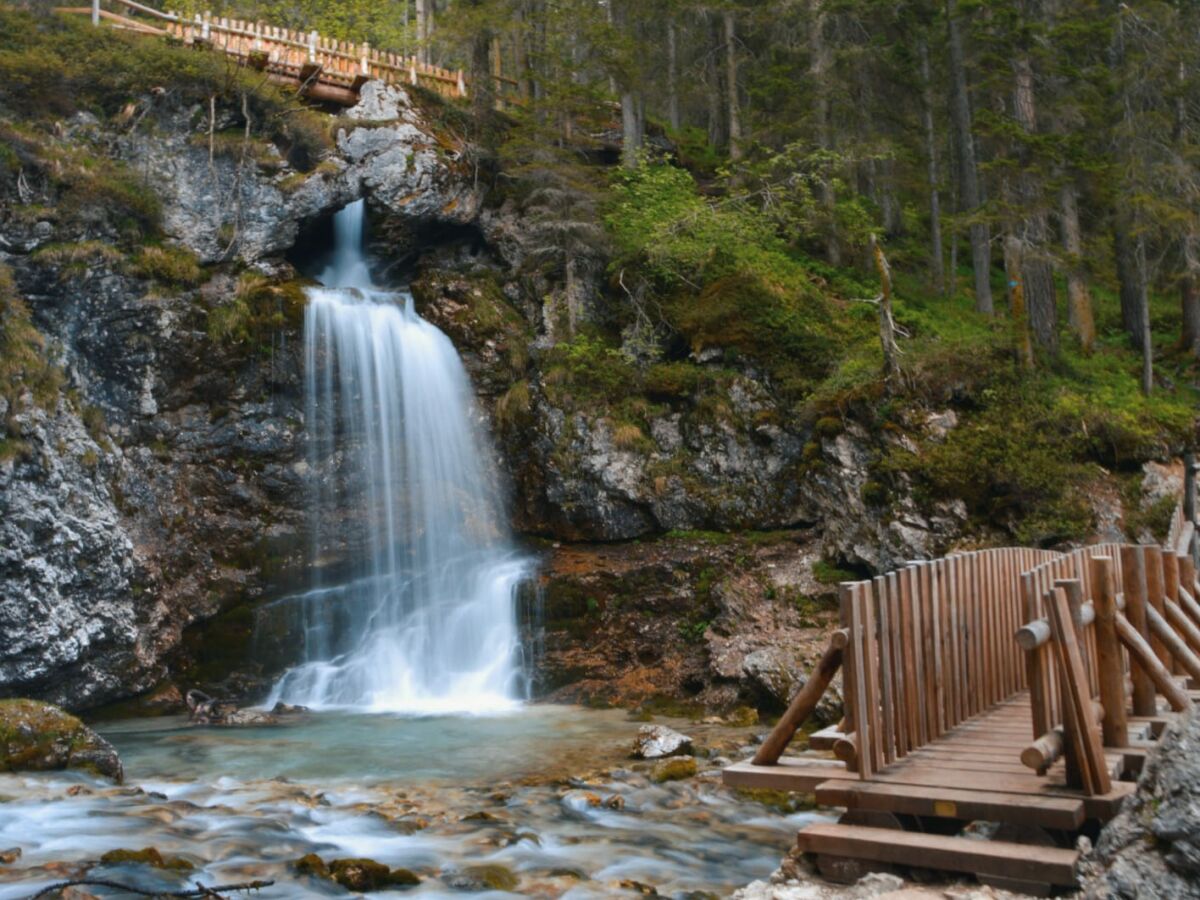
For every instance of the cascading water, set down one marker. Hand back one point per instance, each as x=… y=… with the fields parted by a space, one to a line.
x=428 y=623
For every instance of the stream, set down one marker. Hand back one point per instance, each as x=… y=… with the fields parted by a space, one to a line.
x=547 y=792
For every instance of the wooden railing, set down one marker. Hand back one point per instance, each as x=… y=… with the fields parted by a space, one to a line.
x=925 y=648
x=327 y=69
x=929 y=646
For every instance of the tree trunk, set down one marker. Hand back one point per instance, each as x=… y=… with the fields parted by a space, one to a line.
x=712 y=79
x=1189 y=294
x=1079 y=299
x=887 y=324
x=819 y=71
x=631 y=129
x=1130 y=252
x=937 y=268
x=731 y=87
x=1014 y=268
x=673 y=78
x=424 y=29
x=1038 y=274
x=968 y=176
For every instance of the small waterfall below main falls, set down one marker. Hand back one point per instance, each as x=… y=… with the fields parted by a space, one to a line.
x=428 y=622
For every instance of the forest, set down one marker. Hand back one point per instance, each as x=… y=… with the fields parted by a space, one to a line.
x=1049 y=147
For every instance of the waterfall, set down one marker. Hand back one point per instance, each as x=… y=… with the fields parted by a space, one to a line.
x=427 y=622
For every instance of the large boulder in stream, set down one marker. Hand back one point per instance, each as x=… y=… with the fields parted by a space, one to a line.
x=36 y=736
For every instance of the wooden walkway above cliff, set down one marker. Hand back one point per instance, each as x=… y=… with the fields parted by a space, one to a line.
x=322 y=68
x=1014 y=686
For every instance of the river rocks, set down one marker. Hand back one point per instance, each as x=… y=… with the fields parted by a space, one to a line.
x=492 y=877
x=676 y=768
x=36 y=736
x=10 y=856
x=148 y=856
x=356 y=874
x=657 y=741
x=1152 y=848
x=206 y=710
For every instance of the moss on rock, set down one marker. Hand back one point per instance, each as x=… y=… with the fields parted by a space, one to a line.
x=147 y=856
x=36 y=736
x=677 y=768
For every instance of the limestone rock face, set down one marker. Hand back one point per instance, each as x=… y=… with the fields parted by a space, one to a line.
x=218 y=208
x=36 y=737
x=166 y=481
x=1152 y=848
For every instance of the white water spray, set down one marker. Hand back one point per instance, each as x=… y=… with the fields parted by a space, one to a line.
x=428 y=623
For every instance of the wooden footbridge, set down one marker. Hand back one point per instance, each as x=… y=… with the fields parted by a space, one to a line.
x=1016 y=687
x=323 y=69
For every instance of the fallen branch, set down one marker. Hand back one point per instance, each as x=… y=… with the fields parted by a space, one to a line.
x=199 y=891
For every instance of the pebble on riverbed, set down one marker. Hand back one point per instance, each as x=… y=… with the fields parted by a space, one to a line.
x=658 y=741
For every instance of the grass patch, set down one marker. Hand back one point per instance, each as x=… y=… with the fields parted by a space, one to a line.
x=171 y=266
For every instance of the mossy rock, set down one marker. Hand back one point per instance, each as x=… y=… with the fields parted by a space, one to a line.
x=368 y=875
x=36 y=736
x=147 y=856
x=311 y=864
x=677 y=768
x=492 y=877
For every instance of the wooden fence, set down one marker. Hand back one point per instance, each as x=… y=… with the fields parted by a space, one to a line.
x=327 y=69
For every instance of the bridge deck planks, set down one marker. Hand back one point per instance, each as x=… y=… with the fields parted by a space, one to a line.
x=979 y=757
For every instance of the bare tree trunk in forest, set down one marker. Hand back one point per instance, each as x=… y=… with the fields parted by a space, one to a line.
x=712 y=77
x=1037 y=272
x=887 y=324
x=937 y=268
x=483 y=88
x=1013 y=267
x=731 y=87
x=423 y=29
x=1130 y=250
x=968 y=178
x=1189 y=294
x=1079 y=298
x=673 y=78
x=819 y=71
x=631 y=131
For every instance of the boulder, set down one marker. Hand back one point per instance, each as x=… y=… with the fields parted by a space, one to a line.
x=36 y=736
x=1152 y=848
x=658 y=741
x=206 y=710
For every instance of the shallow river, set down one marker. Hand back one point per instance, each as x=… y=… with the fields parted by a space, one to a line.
x=546 y=792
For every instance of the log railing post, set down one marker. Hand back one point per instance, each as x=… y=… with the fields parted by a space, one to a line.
x=805 y=701
x=1108 y=651
x=96 y=12
x=1133 y=567
x=312 y=46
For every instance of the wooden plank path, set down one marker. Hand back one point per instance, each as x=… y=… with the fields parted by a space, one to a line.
x=1015 y=686
x=323 y=68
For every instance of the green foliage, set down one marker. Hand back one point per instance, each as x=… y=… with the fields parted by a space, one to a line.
x=587 y=367
x=173 y=266
x=24 y=362
x=828 y=573
x=258 y=308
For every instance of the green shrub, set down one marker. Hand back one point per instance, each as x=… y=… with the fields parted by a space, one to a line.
x=258 y=308
x=24 y=363
x=673 y=380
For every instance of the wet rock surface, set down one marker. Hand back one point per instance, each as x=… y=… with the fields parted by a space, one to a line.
x=1152 y=848
x=37 y=737
x=657 y=741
